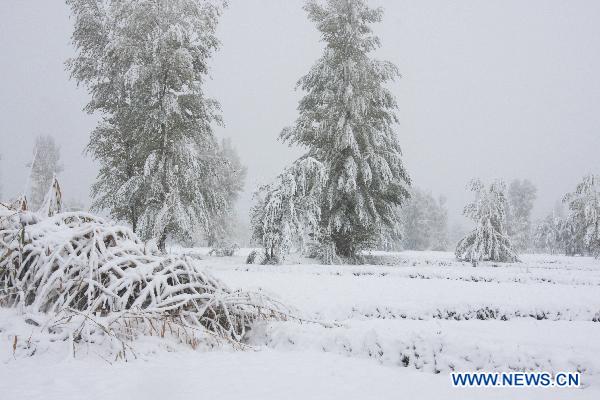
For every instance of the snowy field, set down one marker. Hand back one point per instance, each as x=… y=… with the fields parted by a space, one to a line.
x=393 y=330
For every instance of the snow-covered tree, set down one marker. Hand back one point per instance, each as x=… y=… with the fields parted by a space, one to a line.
x=232 y=178
x=521 y=195
x=489 y=240
x=584 y=217
x=144 y=63
x=549 y=234
x=287 y=211
x=424 y=222
x=346 y=122
x=44 y=166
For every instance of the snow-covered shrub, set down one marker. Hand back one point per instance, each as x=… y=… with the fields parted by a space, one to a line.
x=79 y=264
x=224 y=249
x=287 y=211
x=488 y=241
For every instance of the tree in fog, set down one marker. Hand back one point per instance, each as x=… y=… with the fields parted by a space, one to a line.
x=144 y=64
x=583 y=220
x=549 y=234
x=521 y=195
x=346 y=121
x=424 y=222
x=44 y=165
x=222 y=227
x=489 y=240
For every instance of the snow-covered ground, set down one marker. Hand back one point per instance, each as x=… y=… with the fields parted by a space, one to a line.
x=394 y=331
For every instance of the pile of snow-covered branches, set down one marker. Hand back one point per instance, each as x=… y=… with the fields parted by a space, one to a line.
x=77 y=266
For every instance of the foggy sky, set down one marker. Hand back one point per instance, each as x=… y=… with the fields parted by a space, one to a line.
x=491 y=89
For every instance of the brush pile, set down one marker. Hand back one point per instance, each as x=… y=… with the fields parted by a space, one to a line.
x=77 y=266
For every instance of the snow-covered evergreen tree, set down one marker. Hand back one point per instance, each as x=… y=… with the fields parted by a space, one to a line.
x=287 y=212
x=584 y=217
x=144 y=63
x=521 y=195
x=489 y=240
x=44 y=166
x=346 y=122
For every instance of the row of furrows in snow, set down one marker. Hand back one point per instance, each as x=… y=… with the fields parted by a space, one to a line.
x=466 y=314
x=525 y=279
x=429 y=351
x=520 y=278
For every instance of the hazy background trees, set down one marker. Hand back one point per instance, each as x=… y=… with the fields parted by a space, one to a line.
x=521 y=198
x=44 y=165
x=423 y=222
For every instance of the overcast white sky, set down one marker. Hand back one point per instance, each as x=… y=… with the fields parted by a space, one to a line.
x=495 y=88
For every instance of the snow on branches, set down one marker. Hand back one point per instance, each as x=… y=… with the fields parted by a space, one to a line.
x=77 y=264
x=584 y=217
x=287 y=210
x=488 y=241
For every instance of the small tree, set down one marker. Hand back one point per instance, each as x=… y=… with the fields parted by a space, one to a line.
x=488 y=241
x=44 y=166
x=287 y=211
x=549 y=234
x=584 y=217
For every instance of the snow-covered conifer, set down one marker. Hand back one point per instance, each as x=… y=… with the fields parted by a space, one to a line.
x=144 y=63
x=521 y=195
x=489 y=240
x=346 y=121
x=584 y=217
x=287 y=211
x=44 y=166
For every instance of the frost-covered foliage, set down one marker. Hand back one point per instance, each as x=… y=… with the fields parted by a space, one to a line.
x=82 y=265
x=144 y=64
x=521 y=195
x=346 y=121
x=549 y=234
x=489 y=240
x=583 y=220
x=44 y=166
x=424 y=222
x=287 y=211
